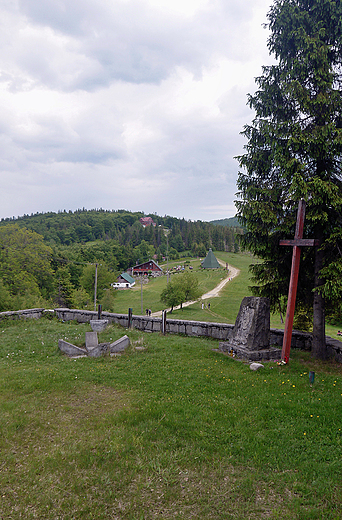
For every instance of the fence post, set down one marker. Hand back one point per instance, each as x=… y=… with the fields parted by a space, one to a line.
x=130 y=317
x=164 y=322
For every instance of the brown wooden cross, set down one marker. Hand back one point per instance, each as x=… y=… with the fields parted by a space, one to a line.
x=297 y=244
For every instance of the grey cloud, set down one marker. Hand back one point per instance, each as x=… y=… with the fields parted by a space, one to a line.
x=93 y=97
x=129 y=41
x=49 y=139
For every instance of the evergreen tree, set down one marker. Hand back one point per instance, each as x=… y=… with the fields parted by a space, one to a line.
x=294 y=151
x=104 y=280
x=63 y=288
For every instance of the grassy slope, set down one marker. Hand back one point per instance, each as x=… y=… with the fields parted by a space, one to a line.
x=173 y=431
x=223 y=309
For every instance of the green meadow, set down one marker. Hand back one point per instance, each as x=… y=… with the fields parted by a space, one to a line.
x=171 y=429
x=223 y=309
x=208 y=279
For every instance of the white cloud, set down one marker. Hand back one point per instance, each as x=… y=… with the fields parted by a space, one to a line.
x=126 y=104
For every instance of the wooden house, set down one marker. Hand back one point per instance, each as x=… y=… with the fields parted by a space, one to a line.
x=124 y=281
x=145 y=268
x=147 y=221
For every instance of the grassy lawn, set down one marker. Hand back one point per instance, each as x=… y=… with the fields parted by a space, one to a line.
x=169 y=430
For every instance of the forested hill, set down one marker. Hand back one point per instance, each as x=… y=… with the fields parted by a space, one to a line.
x=82 y=226
x=230 y=222
x=48 y=259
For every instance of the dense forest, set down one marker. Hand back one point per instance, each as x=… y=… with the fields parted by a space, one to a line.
x=48 y=258
x=230 y=222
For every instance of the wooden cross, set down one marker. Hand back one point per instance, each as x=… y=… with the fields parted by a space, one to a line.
x=297 y=244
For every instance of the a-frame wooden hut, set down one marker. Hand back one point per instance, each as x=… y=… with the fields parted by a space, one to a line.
x=210 y=261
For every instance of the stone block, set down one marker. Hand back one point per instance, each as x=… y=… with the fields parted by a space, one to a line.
x=70 y=349
x=100 y=350
x=252 y=326
x=256 y=366
x=119 y=345
x=215 y=333
x=91 y=340
x=149 y=325
x=269 y=354
x=276 y=337
x=156 y=325
x=98 y=325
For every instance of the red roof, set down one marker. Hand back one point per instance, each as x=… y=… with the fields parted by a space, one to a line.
x=151 y=265
x=147 y=221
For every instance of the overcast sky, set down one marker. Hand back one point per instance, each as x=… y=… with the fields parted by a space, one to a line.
x=126 y=104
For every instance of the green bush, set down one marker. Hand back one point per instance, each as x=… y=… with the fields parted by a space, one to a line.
x=108 y=300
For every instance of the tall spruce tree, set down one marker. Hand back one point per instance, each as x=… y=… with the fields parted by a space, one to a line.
x=294 y=151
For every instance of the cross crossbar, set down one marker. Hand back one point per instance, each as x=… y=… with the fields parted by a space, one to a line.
x=300 y=242
x=297 y=243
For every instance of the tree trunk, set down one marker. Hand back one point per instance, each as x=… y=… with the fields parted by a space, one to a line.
x=319 y=348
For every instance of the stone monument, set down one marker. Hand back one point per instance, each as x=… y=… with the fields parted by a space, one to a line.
x=91 y=340
x=93 y=348
x=98 y=325
x=250 y=338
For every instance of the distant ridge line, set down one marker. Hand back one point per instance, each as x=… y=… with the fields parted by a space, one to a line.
x=227 y=222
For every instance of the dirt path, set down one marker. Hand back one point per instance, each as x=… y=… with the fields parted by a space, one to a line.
x=233 y=272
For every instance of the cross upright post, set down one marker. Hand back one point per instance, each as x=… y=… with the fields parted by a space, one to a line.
x=297 y=244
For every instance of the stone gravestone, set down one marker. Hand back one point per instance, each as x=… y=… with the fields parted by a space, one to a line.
x=98 y=325
x=250 y=338
x=70 y=349
x=93 y=348
x=91 y=340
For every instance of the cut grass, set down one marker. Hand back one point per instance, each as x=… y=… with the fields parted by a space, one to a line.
x=172 y=431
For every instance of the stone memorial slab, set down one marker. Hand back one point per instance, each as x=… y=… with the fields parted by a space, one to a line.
x=91 y=340
x=93 y=348
x=98 y=325
x=250 y=338
x=252 y=326
x=119 y=345
x=70 y=349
